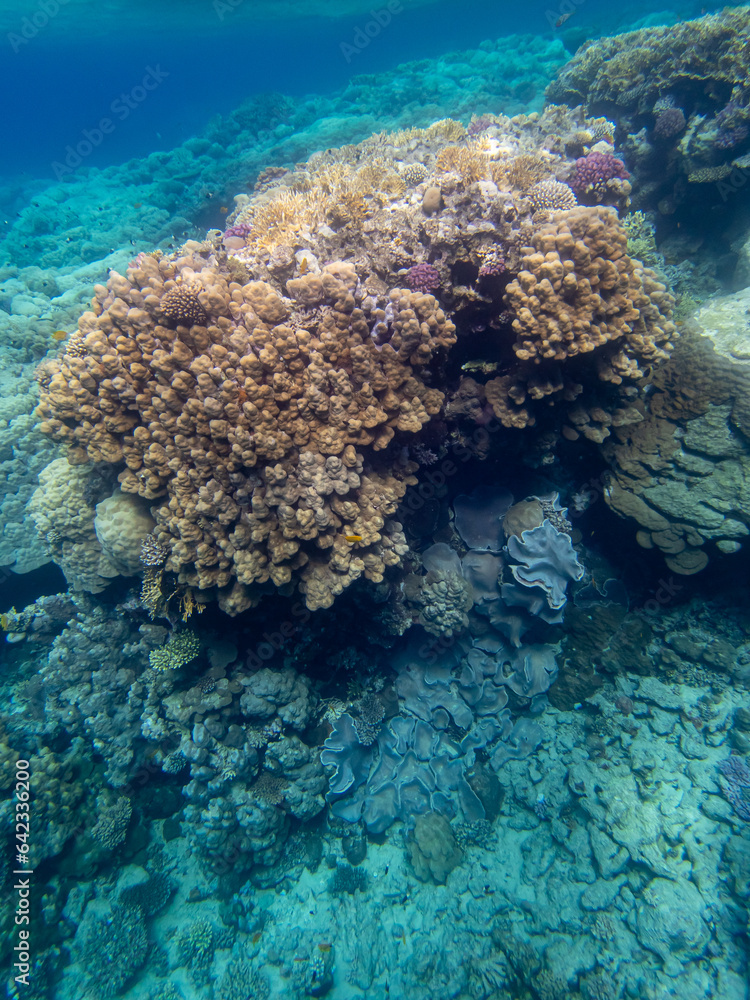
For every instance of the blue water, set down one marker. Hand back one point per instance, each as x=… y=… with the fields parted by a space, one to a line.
x=60 y=84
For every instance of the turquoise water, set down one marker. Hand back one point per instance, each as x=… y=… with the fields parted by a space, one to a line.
x=374 y=460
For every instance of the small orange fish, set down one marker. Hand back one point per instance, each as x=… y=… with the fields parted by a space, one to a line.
x=303 y=266
x=324 y=946
x=223 y=209
x=353 y=538
x=563 y=18
x=59 y=335
x=256 y=937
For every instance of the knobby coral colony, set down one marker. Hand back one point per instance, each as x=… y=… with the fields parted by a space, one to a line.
x=260 y=399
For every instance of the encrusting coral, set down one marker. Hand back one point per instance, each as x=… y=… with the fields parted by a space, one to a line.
x=680 y=474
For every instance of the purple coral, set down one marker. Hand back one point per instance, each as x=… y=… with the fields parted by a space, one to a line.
x=669 y=123
x=423 y=278
x=479 y=125
x=731 y=126
x=491 y=268
x=239 y=230
x=736 y=786
x=594 y=171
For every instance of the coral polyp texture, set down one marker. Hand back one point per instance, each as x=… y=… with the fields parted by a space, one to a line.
x=593 y=174
x=245 y=429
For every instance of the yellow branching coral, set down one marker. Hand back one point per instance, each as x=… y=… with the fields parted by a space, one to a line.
x=469 y=164
x=180 y=649
x=526 y=170
x=447 y=129
x=336 y=194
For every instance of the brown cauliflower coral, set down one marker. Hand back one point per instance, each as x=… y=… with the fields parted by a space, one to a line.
x=254 y=421
x=580 y=292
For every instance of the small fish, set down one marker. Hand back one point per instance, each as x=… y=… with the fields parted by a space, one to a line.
x=324 y=946
x=303 y=266
x=353 y=538
x=137 y=204
x=256 y=937
x=59 y=335
x=224 y=210
x=563 y=18
x=486 y=367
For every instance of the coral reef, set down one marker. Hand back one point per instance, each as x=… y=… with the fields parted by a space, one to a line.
x=638 y=68
x=678 y=94
x=262 y=807
x=261 y=414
